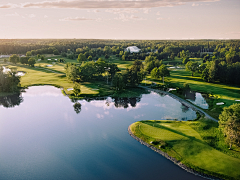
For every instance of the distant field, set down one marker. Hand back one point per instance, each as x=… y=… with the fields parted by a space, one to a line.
x=185 y=144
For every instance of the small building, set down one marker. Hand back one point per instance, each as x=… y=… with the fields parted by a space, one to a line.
x=133 y=49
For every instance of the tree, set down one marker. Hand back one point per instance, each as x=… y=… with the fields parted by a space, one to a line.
x=42 y=57
x=55 y=52
x=185 y=60
x=155 y=73
x=9 y=82
x=229 y=121
x=72 y=73
x=81 y=57
x=76 y=89
x=191 y=66
x=118 y=82
x=14 y=58
x=31 y=62
x=24 y=60
x=89 y=58
x=137 y=65
x=29 y=53
x=107 y=56
x=164 y=71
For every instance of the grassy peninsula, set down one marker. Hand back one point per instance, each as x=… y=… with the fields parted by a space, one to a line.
x=191 y=143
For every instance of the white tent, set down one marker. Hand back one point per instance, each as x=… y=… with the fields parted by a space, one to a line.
x=133 y=49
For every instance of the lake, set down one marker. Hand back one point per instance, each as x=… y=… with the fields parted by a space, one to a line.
x=43 y=137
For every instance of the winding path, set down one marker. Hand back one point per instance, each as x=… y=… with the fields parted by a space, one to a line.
x=186 y=103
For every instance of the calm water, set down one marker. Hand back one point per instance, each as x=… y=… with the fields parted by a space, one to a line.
x=42 y=137
x=197 y=99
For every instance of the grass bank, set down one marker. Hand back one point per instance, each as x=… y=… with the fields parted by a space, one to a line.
x=186 y=141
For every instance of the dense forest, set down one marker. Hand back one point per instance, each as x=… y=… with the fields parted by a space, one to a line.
x=221 y=58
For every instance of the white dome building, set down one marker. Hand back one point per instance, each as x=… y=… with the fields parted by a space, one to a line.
x=133 y=49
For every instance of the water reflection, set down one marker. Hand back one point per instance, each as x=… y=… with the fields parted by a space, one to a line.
x=125 y=102
x=197 y=99
x=184 y=108
x=51 y=137
x=77 y=107
x=11 y=100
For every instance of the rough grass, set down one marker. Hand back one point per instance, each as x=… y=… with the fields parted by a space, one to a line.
x=185 y=144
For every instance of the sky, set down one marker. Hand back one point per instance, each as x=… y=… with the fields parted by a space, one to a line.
x=120 y=19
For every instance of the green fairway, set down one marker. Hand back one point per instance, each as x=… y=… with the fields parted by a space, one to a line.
x=185 y=144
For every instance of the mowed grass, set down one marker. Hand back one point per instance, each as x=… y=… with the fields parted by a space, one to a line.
x=42 y=76
x=186 y=145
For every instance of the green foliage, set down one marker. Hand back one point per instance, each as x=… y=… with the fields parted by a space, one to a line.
x=29 y=53
x=185 y=60
x=119 y=81
x=31 y=62
x=81 y=57
x=14 y=58
x=56 y=52
x=162 y=71
x=155 y=73
x=9 y=82
x=24 y=60
x=230 y=124
x=76 y=89
x=72 y=72
x=192 y=66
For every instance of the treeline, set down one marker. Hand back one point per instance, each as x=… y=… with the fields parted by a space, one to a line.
x=9 y=82
x=24 y=60
x=169 y=47
x=220 y=71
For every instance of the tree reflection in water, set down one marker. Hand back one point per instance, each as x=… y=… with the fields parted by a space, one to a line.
x=124 y=102
x=77 y=107
x=11 y=100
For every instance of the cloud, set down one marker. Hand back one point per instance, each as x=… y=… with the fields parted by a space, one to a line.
x=121 y=11
x=195 y=4
x=97 y=4
x=158 y=13
x=31 y=15
x=106 y=112
x=9 y=5
x=160 y=105
x=146 y=10
x=124 y=17
x=76 y=19
x=100 y=116
x=138 y=116
x=94 y=10
x=14 y=14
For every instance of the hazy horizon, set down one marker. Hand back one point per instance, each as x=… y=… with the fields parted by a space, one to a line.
x=124 y=19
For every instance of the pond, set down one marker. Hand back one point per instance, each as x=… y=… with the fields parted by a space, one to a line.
x=42 y=136
x=197 y=99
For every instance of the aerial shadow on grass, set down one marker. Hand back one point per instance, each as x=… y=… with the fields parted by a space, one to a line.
x=172 y=130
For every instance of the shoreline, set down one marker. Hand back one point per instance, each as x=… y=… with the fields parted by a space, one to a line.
x=175 y=161
x=186 y=103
